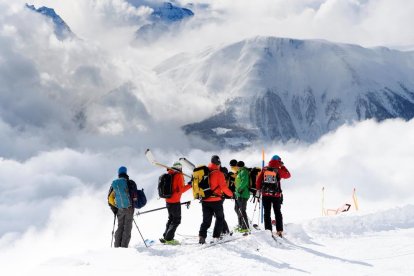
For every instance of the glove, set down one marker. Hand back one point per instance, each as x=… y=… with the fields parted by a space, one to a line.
x=227 y=197
x=190 y=183
x=114 y=209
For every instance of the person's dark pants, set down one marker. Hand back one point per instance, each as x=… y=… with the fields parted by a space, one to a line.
x=123 y=232
x=268 y=202
x=226 y=229
x=240 y=206
x=174 y=219
x=211 y=208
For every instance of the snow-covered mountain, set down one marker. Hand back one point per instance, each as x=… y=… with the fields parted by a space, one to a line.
x=62 y=30
x=163 y=19
x=170 y=13
x=280 y=89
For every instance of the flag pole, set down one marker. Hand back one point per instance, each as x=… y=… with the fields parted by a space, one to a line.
x=261 y=209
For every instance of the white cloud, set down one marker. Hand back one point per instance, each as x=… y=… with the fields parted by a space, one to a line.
x=66 y=93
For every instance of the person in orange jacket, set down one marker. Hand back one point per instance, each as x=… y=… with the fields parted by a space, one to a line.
x=268 y=182
x=173 y=203
x=213 y=205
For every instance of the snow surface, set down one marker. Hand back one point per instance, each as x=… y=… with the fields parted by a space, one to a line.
x=360 y=243
x=221 y=130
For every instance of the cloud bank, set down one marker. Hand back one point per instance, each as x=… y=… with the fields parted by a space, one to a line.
x=371 y=157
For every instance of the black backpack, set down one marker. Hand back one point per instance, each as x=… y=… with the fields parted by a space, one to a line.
x=271 y=181
x=231 y=181
x=253 y=174
x=165 y=189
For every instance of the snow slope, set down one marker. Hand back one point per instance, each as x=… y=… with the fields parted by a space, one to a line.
x=379 y=243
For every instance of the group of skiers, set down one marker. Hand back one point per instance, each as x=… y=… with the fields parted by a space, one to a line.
x=234 y=184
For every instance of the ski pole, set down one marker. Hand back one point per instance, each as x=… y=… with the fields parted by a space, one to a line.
x=187 y=203
x=355 y=200
x=250 y=232
x=323 y=201
x=255 y=206
x=260 y=205
x=140 y=234
x=113 y=229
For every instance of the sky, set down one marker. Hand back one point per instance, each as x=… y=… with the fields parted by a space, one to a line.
x=72 y=112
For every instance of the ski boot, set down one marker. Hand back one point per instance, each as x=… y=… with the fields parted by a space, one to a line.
x=172 y=242
x=245 y=232
x=215 y=240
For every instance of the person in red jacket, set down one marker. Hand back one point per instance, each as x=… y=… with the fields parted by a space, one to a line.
x=174 y=204
x=213 y=205
x=268 y=182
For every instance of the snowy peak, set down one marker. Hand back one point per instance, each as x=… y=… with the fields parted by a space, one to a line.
x=281 y=89
x=170 y=13
x=164 y=19
x=62 y=30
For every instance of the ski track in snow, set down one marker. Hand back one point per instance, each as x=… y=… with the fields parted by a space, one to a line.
x=380 y=243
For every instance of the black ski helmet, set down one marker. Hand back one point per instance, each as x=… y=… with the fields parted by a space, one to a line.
x=215 y=160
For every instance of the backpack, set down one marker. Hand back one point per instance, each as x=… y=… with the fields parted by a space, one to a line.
x=138 y=194
x=142 y=199
x=253 y=173
x=201 y=183
x=165 y=189
x=121 y=191
x=271 y=181
x=111 y=198
x=231 y=181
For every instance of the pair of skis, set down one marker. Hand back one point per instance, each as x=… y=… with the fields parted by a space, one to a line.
x=225 y=239
x=183 y=160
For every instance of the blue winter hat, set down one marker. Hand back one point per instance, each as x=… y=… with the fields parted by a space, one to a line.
x=276 y=157
x=122 y=170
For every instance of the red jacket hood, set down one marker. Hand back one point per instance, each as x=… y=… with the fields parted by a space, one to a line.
x=275 y=163
x=212 y=167
x=173 y=171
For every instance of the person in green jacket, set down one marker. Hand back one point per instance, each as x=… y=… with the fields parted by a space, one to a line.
x=242 y=196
